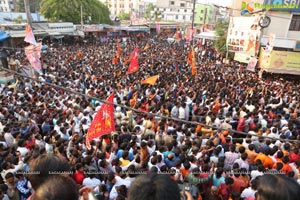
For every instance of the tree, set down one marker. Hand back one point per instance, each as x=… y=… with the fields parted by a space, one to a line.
x=149 y=8
x=93 y=11
x=124 y=16
x=221 y=31
x=151 y=13
x=34 y=6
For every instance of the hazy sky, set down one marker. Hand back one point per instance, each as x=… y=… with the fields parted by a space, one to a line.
x=217 y=2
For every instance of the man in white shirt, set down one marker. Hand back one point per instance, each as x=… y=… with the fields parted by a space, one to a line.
x=91 y=180
x=250 y=191
x=9 y=139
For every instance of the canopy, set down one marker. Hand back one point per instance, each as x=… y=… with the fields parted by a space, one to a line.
x=3 y=36
x=211 y=35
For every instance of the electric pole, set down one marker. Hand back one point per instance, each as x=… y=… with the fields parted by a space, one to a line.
x=193 y=19
x=27 y=10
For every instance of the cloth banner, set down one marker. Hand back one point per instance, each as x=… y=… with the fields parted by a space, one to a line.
x=157 y=26
x=33 y=54
x=252 y=64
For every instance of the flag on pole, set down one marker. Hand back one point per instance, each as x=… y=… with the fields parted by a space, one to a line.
x=177 y=35
x=103 y=123
x=151 y=80
x=157 y=26
x=147 y=46
x=192 y=61
x=29 y=37
x=134 y=61
x=33 y=54
x=118 y=49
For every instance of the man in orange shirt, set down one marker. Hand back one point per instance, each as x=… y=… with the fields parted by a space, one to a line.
x=265 y=159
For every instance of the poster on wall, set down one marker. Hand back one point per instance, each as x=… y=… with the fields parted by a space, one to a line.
x=243 y=35
x=252 y=64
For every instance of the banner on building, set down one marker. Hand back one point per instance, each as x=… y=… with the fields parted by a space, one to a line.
x=243 y=35
x=280 y=62
x=242 y=57
x=252 y=64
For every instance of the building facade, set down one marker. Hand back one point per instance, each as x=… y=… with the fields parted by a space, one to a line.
x=7 y=5
x=176 y=10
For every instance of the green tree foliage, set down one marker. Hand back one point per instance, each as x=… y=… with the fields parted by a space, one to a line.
x=149 y=8
x=221 y=31
x=34 y=6
x=93 y=11
x=124 y=16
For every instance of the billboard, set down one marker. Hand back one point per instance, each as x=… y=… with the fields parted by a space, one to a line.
x=243 y=35
x=281 y=5
x=280 y=62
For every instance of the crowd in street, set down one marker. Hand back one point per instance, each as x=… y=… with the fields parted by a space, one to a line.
x=218 y=134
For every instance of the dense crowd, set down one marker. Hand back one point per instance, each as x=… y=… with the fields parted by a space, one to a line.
x=217 y=134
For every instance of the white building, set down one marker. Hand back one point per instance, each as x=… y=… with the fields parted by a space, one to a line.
x=7 y=5
x=176 y=10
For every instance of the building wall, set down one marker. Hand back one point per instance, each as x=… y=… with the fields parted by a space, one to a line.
x=7 y=5
x=202 y=16
x=176 y=10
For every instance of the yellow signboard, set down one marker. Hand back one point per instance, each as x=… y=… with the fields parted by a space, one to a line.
x=281 y=62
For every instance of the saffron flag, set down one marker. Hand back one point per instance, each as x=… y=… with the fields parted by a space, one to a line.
x=118 y=49
x=192 y=61
x=177 y=35
x=33 y=54
x=103 y=123
x=146 y=46
x=151 y=80
x=134 y=61
x=29 y=37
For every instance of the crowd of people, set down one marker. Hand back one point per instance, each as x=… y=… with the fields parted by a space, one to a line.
x=224 y=133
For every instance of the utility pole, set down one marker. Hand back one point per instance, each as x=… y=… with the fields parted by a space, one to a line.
x=205 y=15
x=81 y=17
x=193 y=20
x=27 y=10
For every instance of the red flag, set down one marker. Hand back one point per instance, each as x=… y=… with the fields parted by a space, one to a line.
x=103 y=122
x=134 y=61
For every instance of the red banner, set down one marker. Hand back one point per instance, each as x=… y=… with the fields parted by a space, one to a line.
x=134 y=62
x=103 y=122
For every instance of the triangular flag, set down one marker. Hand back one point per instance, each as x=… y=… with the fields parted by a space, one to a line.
x=151 y=80
x=103 y=123
x=134 y=61
x=29 y=37
x=146 y=46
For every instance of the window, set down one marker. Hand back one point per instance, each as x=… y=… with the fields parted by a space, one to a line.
x=183 y=17
x=201 y=18
x=176 y=17
x=185 y=10
x=182 y=4
x=295 y=23
x=201 y=11
x=172 y=3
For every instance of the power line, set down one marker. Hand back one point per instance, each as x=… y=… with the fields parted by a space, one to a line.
x=142 y=112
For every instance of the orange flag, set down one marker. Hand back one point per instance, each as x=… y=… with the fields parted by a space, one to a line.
x=118 y=49
x=146 y=46
x=134 y=61
x=192 y=61
x=29 y=37
x=151 y=80
x=103 y=122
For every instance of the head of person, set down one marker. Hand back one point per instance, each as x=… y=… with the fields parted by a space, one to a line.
x=44 y=167
x=277 y=186
x=57 y=187
x=154 y=187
